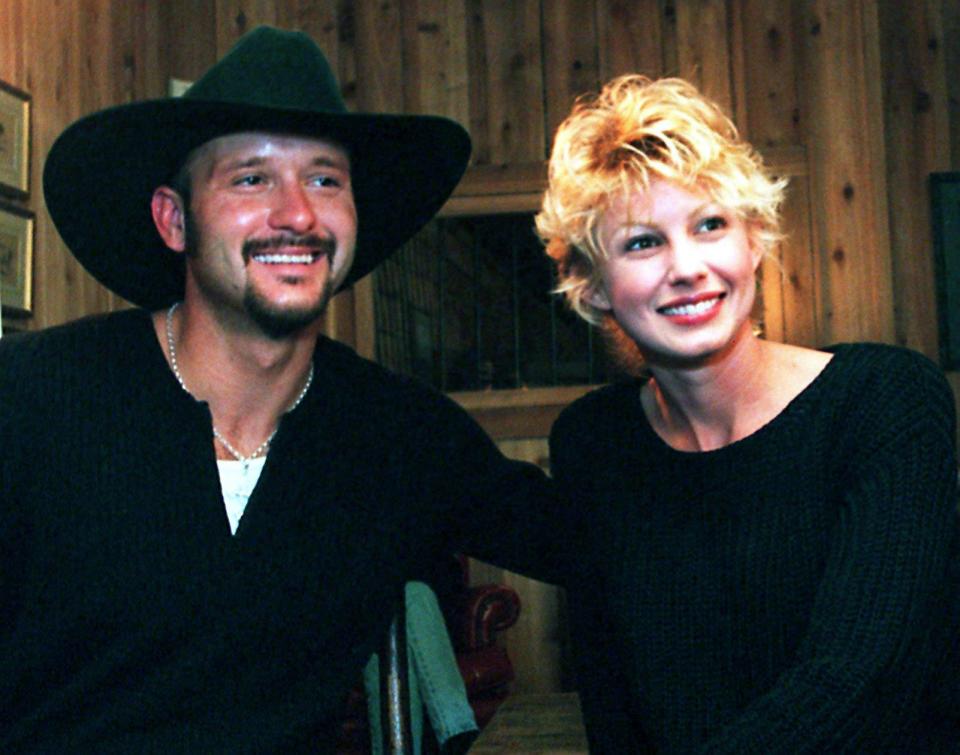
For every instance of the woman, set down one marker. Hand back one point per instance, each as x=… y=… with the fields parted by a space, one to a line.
x=764 y=531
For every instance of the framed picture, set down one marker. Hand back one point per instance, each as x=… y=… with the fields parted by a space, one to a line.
x=14 y=141
x=16 y=258
x=945 y=213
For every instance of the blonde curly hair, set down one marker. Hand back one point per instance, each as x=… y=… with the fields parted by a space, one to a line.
x=635 y=131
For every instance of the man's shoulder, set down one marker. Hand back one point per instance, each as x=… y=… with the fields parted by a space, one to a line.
x=81 y=338
x=371 y=382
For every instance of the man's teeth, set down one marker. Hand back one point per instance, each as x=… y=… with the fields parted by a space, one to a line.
x=690 y=309
x=284 y=259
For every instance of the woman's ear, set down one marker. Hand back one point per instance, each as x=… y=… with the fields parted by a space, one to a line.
x=597 y=296
x=166 y=207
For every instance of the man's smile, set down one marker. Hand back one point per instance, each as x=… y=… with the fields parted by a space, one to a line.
x=287 y=250
x=286 y=259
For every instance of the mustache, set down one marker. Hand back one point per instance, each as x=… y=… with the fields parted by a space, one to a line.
x=325 y=245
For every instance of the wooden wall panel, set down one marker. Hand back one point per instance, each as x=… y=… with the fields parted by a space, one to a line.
x=798 y=281
x=13 y=35
x=189 y=34
x=630 y=38
x=768 y=114
x=505 y=56
x=951 y=46
x=804 y=73
x=377 y=86
x=236 y=17
x=770 y=96
x=318 y=18
x=704 y=48
x=73 y=57
x=846 y=150
x=435 y=69
x=570 y=59
x=379 y=76
x=916 y=121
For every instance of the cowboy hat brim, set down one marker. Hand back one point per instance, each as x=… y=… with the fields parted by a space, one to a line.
x=102 y=171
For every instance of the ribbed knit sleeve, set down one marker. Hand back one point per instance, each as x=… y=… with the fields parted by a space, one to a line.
x=788 y=593
x=860 y=672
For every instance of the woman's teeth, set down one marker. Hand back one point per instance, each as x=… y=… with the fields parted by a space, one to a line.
x=690 y=309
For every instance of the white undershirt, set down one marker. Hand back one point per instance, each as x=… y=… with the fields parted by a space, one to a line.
x=237 y=481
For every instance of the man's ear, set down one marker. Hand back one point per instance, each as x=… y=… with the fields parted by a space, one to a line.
x=166 y=207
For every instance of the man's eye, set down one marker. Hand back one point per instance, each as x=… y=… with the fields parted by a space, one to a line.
x=713 y=223
x=642 y=242
x=248 y=180
x=326 y=181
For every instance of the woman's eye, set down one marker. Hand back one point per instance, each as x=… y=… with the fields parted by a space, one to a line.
x=713 y=223
x=642 y=242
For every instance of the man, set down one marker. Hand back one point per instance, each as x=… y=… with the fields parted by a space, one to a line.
x=152 y=602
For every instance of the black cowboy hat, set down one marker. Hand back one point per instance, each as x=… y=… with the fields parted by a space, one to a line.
x=102 y=170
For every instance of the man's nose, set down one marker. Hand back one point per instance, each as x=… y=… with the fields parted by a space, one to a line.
x=293 y=209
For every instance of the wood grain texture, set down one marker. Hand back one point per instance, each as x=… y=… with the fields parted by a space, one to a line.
x=505 y=56
x=236 y=17
x=703 y=48
x=436 y=78
x=570 y=58
x=950 y=19
x=189 y=37
x=860 y=86
x=770 y=62
x=74 y=57
x=848 y=169
x=916 y=131
x=799 y=273
x=629 y=38
x=378 y=51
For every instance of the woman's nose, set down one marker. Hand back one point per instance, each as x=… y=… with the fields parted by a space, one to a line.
x=686 y=261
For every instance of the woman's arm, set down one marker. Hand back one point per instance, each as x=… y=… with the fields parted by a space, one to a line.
x=870 y=651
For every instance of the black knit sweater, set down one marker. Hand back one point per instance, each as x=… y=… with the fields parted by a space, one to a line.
x=131 y=621
x=792 y=592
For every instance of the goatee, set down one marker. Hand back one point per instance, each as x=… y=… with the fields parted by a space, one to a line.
x=280 y=323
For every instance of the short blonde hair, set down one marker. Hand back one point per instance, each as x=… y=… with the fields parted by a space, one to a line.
x=635 y=131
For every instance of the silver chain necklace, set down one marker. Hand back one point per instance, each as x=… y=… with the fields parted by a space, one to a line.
x=245 y=460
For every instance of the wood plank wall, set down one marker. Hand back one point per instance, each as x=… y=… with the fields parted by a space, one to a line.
x=851 y=98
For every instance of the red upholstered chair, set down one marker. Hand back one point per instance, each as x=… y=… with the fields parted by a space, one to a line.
x=475 y=615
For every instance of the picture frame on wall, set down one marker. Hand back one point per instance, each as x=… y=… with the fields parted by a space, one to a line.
x=14 y=141
x=945 y=214
x=16 y=258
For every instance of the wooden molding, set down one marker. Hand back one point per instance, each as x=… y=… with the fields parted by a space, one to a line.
x=786 y=161
x=509 y=188
x=519 y=412
x=497 y=190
